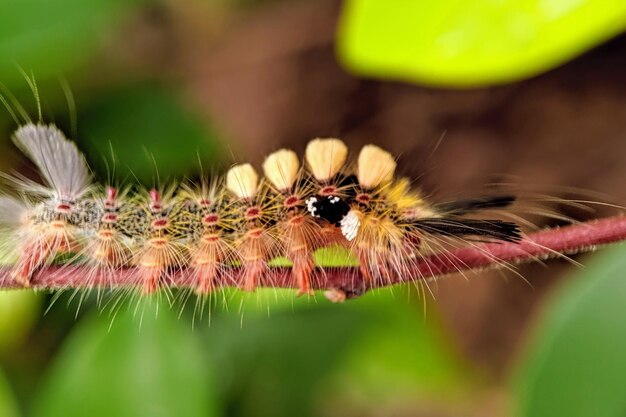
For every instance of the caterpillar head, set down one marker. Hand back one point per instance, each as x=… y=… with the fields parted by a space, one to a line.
x=330 y=208
x=335 y=211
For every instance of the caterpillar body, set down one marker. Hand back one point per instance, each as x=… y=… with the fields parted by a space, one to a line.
x=241 y=221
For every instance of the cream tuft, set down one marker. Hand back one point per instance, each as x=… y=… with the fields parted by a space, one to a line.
x=242 y=180
x=325 y=157
x=375 y=166
x=281 y=168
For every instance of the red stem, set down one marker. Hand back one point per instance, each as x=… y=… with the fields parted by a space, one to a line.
x=549 y=243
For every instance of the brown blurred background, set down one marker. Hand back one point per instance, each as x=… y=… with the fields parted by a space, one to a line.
x=271 y=79
x=260 y=75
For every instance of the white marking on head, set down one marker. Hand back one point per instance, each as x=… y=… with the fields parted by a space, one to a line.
x=310 y=205
x=350 y=225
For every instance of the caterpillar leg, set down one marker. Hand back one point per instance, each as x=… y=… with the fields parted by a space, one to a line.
x=302 y=270
x=150 y=278
x=255 y=249
x=205 y=275
x=42 y=249
x=29 y=262
x=339 y=295
x=152 y=266
x=252 y=273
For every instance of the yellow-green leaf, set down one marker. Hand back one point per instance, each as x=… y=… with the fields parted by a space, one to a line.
x=474 y=42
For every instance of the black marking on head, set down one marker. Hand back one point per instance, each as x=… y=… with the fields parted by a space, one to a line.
x=330 y=208
x=347 y=181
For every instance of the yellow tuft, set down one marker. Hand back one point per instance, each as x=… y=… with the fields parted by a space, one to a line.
x=375 y=166
x=409 y=201
x=401 y=195
x=281 y=168
x=325 y=157
x=242 y=180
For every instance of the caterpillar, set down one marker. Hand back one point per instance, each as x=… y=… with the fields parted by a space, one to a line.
x=241 y=221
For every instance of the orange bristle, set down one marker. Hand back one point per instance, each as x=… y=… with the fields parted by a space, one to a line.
x=299 y=232
x=300 y=237
x=41 y=244
x=110 y=248
x=211 y=247
x=240 y=224
x=254 y=241
x=157 y=228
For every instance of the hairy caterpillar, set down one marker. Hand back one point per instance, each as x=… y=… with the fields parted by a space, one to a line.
x=242 y=221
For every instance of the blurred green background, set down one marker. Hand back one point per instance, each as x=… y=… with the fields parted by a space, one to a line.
x=531 y=92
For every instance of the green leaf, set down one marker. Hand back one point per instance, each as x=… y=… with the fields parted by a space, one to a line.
x=400 y=357
x=148 y=132
x=142 y=366
x=577 y=364
x=8 y=406
x=273 y=363
x=471 y=43
x=19 y=311
x=53 y=36
x=378 y=346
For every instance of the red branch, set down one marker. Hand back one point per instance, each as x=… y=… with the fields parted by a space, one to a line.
x=549 y=243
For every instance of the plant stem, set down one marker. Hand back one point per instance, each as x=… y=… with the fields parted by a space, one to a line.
x=545 y=244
